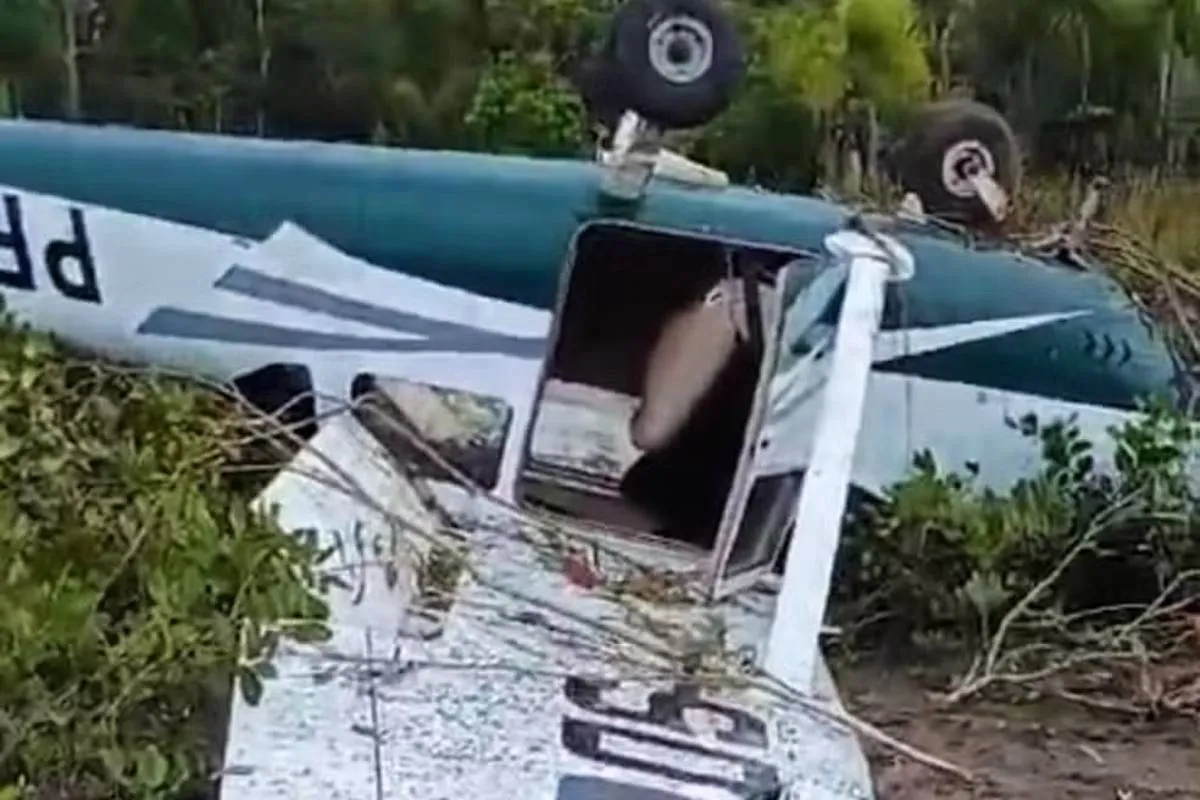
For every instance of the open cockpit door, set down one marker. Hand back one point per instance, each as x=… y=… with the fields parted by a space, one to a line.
x=670 y=353
x=761 y=508
x=660 y=365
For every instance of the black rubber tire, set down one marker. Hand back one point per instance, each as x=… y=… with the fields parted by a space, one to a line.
x=640 y=87
x=938 y=128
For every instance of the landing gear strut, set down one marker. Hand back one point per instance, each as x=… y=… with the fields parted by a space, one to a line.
x=665 y=64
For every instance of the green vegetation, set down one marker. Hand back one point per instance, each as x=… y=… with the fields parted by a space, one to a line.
x=1073 y=579
x=492 y=74
x=136 y=580
x=942 y=554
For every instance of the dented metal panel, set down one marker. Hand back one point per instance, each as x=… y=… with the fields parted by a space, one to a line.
x=466 y=431
x=503 y=692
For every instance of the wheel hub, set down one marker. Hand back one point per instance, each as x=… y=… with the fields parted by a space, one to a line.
x=680 y=48
x=962 y=161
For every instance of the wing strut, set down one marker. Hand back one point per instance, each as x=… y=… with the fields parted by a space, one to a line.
x=872 y=261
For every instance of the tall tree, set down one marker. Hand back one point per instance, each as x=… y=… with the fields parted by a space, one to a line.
x=70 y=12
x=27 y=39
x=1180 y=37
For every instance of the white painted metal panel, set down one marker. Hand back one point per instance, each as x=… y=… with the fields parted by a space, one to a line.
x=486 y=709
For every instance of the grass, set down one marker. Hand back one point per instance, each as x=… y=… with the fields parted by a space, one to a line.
x=1146 y=236
x=1165 y=215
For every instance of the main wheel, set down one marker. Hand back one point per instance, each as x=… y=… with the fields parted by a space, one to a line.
x=676 y=63
x=950 y=139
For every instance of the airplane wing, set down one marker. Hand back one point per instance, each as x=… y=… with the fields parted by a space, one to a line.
x=523 y=684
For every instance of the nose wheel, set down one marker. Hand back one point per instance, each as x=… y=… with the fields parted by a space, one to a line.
x=666 y=64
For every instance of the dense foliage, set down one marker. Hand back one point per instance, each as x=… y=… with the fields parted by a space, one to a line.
x=493 y=73
x=132 y=572
x=942 y=553
x=137 y=582
x=1078 y=564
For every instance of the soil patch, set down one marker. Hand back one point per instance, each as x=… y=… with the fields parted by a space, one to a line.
x=1048 y=749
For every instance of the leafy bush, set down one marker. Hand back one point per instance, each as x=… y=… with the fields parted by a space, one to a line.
x=132 y=573
x=941 y=556
x=521 y=106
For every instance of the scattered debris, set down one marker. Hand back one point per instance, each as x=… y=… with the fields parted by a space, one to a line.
x=581 y=571
x=437 y=578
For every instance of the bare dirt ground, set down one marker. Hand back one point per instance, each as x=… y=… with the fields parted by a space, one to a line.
x=1045 y=750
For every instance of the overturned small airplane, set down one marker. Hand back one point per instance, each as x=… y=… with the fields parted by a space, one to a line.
x=634 y=361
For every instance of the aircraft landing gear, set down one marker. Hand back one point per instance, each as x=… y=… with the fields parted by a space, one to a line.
x=676 y=63
x=665 y=64
x=961 y=159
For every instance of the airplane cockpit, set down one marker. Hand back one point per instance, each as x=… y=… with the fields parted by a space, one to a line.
x=668 y=343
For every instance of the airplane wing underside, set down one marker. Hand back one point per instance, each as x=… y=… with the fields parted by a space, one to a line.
x=517 y=682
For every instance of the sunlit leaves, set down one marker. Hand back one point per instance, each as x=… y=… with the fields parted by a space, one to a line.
x=129 y=569
x=522 y=106
x=871 y=48
x=805 y=52
x=886 y=51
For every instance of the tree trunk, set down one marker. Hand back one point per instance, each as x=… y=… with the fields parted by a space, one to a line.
x=73 y=102
x=827 y=158
x=1166 y=72
x=943 y=52
x=1021 y=98
x=871 y=148
x=264 y=64
x=1027 y=80
x=1085 y=57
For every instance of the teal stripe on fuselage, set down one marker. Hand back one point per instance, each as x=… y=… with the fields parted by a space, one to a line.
x=500 y=226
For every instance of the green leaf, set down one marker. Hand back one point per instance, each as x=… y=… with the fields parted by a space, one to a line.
x=152 y=768
x=114 y=762
x=310 y=633
x=251 y=686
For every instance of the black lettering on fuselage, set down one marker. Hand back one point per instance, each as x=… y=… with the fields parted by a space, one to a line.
x=68 y=263
x=13 y=238
x=79 y=250
x=664 y=710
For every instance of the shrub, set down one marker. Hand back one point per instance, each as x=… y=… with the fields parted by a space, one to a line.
x=132 y=572
x=939 y=556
